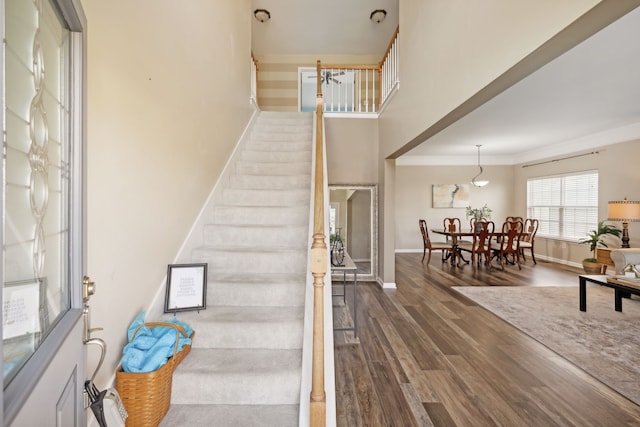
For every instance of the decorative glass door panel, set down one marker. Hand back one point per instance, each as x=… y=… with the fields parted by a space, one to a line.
x=36 y=248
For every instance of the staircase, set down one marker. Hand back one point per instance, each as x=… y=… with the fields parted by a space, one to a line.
x=245 y=365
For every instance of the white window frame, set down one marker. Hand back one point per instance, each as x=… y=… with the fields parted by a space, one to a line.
x=566 y=205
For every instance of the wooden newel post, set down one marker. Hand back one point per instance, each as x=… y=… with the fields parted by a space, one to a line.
x=318 y=405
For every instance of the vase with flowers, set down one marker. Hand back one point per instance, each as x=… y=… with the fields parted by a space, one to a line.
x=479 y=213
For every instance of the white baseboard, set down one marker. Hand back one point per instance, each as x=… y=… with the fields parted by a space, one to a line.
x=386 y=285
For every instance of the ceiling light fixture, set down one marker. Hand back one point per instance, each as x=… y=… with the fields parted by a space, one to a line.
x=473 y=180
x=378 y=15
x=262 y=15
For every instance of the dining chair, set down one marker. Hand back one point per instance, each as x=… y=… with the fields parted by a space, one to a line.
x=509 y=246
x=444 y=247
x=481 y=244
x=528 y=237
x=472 y=223
x=453 y=225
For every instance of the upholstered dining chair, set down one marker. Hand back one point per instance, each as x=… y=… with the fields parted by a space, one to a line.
x=528 y=237
x=444 y=247
x=509 y=246
x=481 y=244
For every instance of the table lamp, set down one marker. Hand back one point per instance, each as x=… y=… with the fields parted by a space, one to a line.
x=624 y=211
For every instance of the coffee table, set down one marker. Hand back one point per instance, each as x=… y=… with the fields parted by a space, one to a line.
x=622 y=288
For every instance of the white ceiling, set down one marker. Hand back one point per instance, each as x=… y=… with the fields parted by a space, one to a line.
x=586 y=98
x=327 y=27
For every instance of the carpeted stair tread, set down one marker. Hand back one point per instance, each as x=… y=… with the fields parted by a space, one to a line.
x=255 y=261
x=256 y=293
x=247 y=327
x=266 y=278
x=238 y=376
x=273 y=168
x=265 y=197
x=267 y=182
x=232 y=416
x=261 y=215
x=262 y=156
x=259 y=236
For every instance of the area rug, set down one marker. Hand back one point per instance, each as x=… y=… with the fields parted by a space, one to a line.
x=603 y=342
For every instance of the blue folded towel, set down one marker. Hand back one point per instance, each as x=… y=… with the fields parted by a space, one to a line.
x=152 y=346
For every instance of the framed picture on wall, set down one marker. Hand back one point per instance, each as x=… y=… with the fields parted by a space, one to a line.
x=186 y=287
x=450 y=195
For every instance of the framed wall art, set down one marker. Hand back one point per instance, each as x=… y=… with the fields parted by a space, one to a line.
x=450 y=195
x=186 y=287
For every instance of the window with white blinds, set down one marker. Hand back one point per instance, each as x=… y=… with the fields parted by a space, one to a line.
x=565 y=205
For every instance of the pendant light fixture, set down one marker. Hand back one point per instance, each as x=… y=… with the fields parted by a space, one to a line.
x=474 y=180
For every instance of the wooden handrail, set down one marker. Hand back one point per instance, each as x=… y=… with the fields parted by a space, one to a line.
x=349 y=66
x=257 y=80
x=318 y=399
x=386 y=53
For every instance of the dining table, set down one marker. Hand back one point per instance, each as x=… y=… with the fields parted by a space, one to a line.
x=456 y=236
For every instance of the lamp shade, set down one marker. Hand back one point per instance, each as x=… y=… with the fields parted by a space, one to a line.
x=624 y=210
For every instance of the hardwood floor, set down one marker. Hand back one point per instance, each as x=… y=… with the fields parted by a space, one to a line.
x=427 y=356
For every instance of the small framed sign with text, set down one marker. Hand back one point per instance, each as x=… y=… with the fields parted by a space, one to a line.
x=186 y=287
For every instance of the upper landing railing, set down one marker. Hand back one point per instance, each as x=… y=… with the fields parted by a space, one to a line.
x=348 y=88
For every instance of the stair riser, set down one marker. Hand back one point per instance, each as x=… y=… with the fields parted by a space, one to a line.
x=275 y=157
x=256 y=294
x=256 y=237
x=252 y=197
x=270 y=182
x=240 y=215
x=265 y=145
x=228 y=376
x=253 y=168
x=299 y=136
x=272 y=335
x=246 y=262
x=202 y=388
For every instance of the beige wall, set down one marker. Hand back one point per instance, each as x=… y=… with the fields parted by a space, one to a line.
x=168 y=97
x=352 y=150
x=414 y=198
x=618 y=173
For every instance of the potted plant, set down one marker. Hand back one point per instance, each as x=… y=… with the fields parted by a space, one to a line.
x=479 y=213
x=591 y=265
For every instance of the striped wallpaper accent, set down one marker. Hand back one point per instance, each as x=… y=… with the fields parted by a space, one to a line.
x=278 y=76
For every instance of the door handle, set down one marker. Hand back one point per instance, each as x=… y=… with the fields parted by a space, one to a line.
x=88 y=288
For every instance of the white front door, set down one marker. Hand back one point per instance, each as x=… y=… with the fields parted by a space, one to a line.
x=42 y=204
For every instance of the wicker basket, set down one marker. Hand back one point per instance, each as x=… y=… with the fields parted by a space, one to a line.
x=147 y=395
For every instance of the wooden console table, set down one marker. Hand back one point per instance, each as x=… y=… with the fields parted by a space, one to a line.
x=348 y=267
